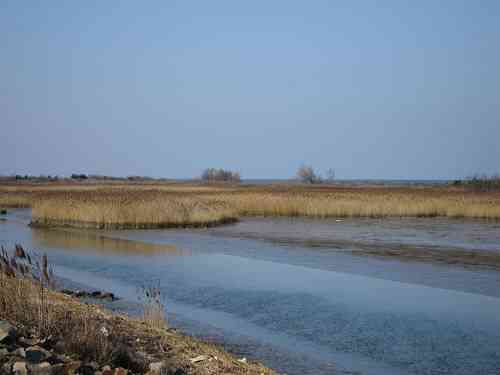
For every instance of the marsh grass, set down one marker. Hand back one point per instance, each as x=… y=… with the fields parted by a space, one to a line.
x=154 y=314
x=91 y=334
x=129 y=209
x=27 y=299
x=367 y=203
x=178 y=205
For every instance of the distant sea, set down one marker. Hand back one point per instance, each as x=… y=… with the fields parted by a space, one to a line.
x=388 y=182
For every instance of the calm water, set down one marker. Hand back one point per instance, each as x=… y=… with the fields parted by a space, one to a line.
x=260 y=290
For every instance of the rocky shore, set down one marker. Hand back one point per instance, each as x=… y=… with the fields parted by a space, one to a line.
x=46 y=332
x=145 y=350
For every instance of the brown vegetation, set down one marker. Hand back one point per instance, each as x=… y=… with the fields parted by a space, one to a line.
x=87 y=334
x=220 y=175
x=165 y=205
x=128 y=209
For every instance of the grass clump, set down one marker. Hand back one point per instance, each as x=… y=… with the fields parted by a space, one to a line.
x=28 y=300
x=122 y=209
x=87 y=334
x=154 y=310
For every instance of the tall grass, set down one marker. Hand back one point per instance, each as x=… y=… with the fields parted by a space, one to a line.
x=89 y=336
x=128 y=209
x=27 y=299
x=141 y=206
x=367 y=203
x=154 y=310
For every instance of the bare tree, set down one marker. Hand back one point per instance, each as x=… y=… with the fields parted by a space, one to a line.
x=330 y=175
x=306 y=174
x=214 y=174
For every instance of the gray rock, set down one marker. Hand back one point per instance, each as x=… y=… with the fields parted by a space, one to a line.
x=58 y=359
x=20 y=352
x=178 y=371
x=59 y=369
x=43 y=368
x=28 y=342
x=19 y=368
x=36 y=354
x=6 y=368
x=108 y=296
x=71 y=367
x=156 y=367
x=86 y=370
x=7 y=330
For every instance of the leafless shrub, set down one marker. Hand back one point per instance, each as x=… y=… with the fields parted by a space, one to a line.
x=330 y=175
x=307 y=174
x=483 y=182
x=220 y=175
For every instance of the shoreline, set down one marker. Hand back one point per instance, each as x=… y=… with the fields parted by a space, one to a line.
x=142 y=347
x=49 y=223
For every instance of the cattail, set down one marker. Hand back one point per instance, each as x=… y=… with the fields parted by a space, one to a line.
x=9 y=272
x=13 y=263
x=20 y=253
x=45 y=266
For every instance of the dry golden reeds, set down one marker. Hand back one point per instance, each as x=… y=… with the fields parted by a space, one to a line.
x=128 y=209
x=154 y=313
x=28 y=300
x=169 y=205
x=366 y=203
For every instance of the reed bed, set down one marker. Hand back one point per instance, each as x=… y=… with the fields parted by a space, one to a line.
x=367 y=203
x=171 y=205
x=15 y=199
x=120 y=209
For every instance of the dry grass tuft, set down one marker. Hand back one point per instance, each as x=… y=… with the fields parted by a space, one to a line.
x=27 y=299
x=154 y=310
x=90 y=334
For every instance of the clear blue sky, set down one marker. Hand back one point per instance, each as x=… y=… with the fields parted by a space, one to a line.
x=374 y=89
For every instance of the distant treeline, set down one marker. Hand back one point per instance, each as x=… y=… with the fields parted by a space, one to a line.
x=77 y=177
x=26 y=177
x=480 y=183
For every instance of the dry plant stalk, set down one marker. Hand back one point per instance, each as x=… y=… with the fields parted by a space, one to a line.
x=28 y=301
x=154 y=309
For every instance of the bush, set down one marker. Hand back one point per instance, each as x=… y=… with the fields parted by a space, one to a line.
x=220 y=175
x=76 y=176
x=485 y=183
x=307 y=175
x=480 y=183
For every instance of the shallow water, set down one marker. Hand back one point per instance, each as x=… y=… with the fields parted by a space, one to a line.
x=473 y=235
x=300 y=310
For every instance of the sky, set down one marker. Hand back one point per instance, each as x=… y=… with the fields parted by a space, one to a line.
x=393 y=89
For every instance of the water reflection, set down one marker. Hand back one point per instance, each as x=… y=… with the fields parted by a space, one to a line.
x=299 y=310
x=98 y=242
